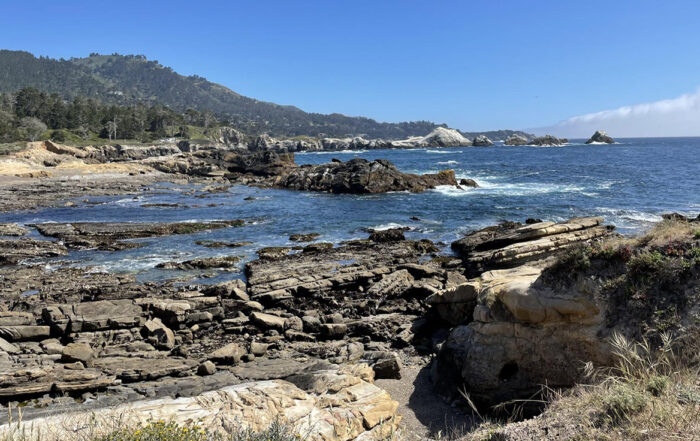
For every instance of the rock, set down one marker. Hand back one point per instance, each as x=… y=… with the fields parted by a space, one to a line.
x=522 y=335
x=135 y=369
x=360 y=176
x=333 y=331
x=230 y=354
x=158 y=334
x=225 y=262
x=13 y=251
x=482 y=141
x=337 y=403
x=81 y=352
x=516 y=139
x=106 y=235
x=24 y=333
x=273 y=252
x=600 y=137
x=444 y=137
x=549 y=140
x=12 y=230
x=316 y=247
x=206 y=368
x=512 y=244
x=394 y=284
x=385 y=365
x=388 y=235
x=308 y=237
x=232 y=289
x=258 y=349
x=468 y=183
x=455 y=305
x=267 y=321
x=8 y=347
x=294 y=323
x=93 y=316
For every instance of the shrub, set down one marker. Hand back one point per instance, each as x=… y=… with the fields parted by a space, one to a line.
x=159 y=431
x=657 y=384
x=623 y=402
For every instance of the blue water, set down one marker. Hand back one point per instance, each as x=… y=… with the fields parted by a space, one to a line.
x=630 y=184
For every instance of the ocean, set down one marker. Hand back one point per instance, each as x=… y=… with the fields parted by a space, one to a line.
x=630 y=184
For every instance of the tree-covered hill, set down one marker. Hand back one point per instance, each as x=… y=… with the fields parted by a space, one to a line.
x=133 y=79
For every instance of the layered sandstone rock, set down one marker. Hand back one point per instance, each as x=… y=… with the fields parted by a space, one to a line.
x=323 y=404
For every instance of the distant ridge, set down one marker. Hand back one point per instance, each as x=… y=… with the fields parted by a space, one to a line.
x=130 y=79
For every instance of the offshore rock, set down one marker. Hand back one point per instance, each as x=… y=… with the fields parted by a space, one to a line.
x=360 y=176
x=482 y=141
x=516 y=139
x=548 y=141
x=600 y=137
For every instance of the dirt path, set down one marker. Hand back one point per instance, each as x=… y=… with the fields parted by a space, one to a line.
x=425 y=414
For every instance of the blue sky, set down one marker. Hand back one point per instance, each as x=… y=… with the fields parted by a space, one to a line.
x=475 y=65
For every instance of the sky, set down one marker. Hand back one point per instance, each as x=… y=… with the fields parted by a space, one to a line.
x=475 y=65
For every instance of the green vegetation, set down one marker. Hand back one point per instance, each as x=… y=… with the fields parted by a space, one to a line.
x=132 y=80
x=128 y=80
x=32 y=115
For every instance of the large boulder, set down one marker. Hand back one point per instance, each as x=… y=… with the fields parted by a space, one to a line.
x=444 y=137
x=516 y=139
x=482 y=141
x=600 y=137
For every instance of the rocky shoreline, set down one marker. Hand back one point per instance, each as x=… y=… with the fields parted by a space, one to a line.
x=516 y=306
x=314 y=322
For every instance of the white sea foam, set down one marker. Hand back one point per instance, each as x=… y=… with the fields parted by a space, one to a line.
x=624 y=215
x=443 y=152
x=333 y=152
x=388 y=226
x=447 y=162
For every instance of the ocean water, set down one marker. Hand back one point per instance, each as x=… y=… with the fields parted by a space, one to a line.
x=630 y=184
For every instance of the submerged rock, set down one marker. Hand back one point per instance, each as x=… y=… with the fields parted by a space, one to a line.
x=600 y=137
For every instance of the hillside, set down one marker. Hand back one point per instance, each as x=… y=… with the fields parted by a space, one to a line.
x=131 y=79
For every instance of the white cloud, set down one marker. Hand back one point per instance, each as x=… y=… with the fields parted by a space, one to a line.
x=672 y=117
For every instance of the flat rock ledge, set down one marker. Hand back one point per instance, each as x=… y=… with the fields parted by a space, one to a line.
x=334 y=403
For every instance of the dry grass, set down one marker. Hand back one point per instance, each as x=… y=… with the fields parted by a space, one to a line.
x=669 y=231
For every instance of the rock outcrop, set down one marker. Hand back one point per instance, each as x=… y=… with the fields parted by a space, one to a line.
x=511 y=244
x=548 y=141
x=482 y=141
x=444 y=137
x=537 y=324
x=323 y=403
x=600 y=137
x=516 y=139
x=361 y=176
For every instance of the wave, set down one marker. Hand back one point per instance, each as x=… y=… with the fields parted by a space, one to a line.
x=625 y=215
x=333 y=152
x=387 y=226
x=448 y=162
x=443 y=152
